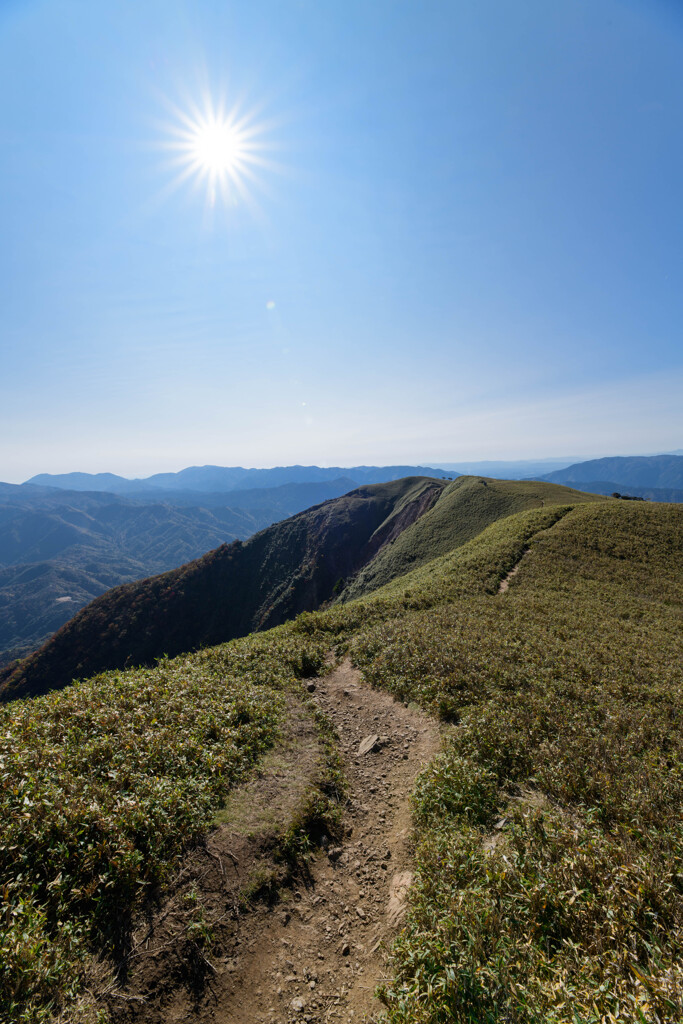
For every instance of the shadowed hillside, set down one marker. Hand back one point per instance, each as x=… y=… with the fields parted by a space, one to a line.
x=290 y=567
x=61 y=549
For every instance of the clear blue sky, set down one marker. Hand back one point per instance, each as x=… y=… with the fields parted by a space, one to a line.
x=463 y=238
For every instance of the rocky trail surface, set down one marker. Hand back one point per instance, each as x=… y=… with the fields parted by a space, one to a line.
x=319 y=953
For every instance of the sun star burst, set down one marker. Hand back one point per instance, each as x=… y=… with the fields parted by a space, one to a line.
x=216 y=148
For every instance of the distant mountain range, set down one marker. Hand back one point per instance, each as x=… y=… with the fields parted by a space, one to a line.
x=223 y=479
x=655 y=477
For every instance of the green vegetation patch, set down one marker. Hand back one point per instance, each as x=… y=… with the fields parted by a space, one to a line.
x=105 y=784
x=463 y=510
x=550 y=845
x=549 y=852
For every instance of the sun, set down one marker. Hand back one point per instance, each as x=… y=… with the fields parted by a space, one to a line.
x=218 y=148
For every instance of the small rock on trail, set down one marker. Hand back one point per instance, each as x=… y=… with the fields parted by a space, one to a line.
x=368 y=745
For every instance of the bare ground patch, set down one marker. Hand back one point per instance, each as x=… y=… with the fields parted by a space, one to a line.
x=507 y=580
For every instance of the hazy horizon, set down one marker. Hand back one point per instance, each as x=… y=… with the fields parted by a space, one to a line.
x=427 y=463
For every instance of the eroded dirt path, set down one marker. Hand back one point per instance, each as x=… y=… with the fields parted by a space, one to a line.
x=507 y=580
x=319 y=953
x=320 y=956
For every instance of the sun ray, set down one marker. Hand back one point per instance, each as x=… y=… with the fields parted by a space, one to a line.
x=218 y=147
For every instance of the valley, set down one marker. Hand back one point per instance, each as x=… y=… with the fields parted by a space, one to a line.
x=64 y=540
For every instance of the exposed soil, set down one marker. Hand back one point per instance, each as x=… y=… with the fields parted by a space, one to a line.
x=505 y=582
x=318 y=953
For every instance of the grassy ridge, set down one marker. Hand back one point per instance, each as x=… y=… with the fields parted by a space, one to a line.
x=104 y=785
x=230 y=592
x=464 y=509
x=568 y=692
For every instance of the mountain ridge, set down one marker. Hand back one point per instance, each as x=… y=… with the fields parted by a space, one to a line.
x=293 y=566
x=287 y=568
x=658 y=471
x=228 y=478
x=61 y=549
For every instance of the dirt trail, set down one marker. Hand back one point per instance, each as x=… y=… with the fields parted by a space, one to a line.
x=318 y=954
x=505 y=582
x=321 y=957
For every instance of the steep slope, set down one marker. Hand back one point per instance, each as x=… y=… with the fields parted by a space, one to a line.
x=661 y=471
x=465 y=508
x=61 y=549
x=288 y=568
x=36 y=600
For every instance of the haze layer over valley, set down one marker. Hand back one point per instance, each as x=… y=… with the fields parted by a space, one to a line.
x=60 y=547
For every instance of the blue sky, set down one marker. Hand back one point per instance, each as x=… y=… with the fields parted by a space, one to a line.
x=462 y=239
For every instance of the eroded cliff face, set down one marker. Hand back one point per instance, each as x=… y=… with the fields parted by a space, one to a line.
x=335 y=551
x=292 y=566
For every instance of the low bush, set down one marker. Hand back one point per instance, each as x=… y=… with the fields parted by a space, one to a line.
x=105 y=784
